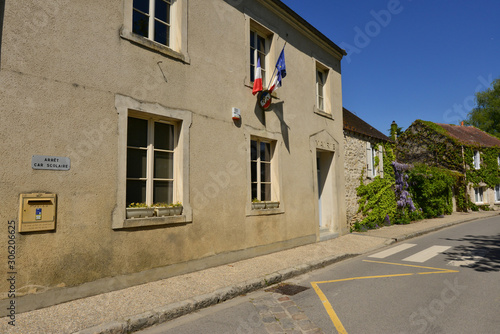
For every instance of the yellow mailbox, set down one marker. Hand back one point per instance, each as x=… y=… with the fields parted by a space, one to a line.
x=37 y=212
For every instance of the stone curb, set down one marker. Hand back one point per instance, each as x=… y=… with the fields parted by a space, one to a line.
x=176 y=310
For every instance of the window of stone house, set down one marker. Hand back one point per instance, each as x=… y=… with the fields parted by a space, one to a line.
x=372 y=152
x=478 y=195
x=477 y=160
x=261 y=161
x=151 y=145
x=497 y=193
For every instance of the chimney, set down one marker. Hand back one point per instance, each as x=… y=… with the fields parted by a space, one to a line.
x=462 y=123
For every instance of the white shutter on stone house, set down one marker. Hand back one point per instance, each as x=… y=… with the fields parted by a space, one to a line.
x=381 y=160
x=369 y=166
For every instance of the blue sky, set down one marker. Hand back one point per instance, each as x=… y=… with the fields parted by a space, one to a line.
x=410 y=59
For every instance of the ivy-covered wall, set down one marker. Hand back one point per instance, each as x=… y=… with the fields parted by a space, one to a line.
x=430 y=144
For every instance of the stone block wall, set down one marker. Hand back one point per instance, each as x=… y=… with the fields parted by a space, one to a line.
x=355 y=166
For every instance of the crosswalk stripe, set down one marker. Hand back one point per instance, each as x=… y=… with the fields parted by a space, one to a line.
x=391 y=251
x=426 y=254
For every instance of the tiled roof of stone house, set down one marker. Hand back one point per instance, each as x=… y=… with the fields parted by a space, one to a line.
x=355 y=124
x=470 y=135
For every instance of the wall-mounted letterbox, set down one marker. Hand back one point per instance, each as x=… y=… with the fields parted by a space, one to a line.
x=37 y=212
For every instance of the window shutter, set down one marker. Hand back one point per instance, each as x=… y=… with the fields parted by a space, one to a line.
x=369 y=166
x=381 y=160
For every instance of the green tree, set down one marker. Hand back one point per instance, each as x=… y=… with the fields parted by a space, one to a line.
x=486 y=115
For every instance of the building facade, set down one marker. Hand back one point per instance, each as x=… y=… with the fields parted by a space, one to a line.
x=111 y=103
x=364 y=159
x=473 y=153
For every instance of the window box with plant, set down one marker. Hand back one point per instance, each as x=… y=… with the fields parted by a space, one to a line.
x=139 y=210
x=172 y=209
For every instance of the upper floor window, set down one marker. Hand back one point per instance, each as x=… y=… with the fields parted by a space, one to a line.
x=259 y=48
x=159 y=25
x=320 y=89
x=323 y=89
x=151 y=19
x=477 y=160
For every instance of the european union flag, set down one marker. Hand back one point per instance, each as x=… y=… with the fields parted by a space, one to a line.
x=280 y=65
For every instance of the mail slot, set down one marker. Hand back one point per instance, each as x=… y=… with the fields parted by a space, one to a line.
x=37 y=212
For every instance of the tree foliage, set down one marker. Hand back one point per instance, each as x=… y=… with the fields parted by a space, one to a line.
x=486 y=115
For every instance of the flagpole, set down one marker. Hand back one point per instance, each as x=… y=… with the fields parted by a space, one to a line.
x=275 y=68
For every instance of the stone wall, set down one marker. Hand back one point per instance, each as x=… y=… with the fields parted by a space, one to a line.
x=355 y=166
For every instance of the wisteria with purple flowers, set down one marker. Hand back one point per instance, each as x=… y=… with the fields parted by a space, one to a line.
x=403 y=198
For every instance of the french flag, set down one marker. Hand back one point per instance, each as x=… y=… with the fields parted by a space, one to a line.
x=257 y=83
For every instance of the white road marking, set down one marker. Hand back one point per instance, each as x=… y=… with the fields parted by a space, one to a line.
x=426 y=254
x=391 y=251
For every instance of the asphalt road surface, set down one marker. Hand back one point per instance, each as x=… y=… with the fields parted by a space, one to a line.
x=444 y=282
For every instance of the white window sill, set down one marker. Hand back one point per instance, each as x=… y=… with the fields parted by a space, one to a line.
x=323 y=113
x=266 y=212
x=152 y=45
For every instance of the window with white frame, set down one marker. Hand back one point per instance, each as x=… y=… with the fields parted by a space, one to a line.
x=477 y=160
x=373 y=160
x=261 y=160
x=478 y=195
x=497 y=193
x=322 y=103
x=320 y=89
x=259 y=48
x=151 y=19
x=159 y=25
x=151 y=146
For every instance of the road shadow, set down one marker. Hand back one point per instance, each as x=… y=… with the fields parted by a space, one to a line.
x=481 y=251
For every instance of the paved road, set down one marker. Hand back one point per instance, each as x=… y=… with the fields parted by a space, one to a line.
x=445 y=282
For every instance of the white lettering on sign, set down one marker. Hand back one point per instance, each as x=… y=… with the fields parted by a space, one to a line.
x=50 y=162
x=325 y=144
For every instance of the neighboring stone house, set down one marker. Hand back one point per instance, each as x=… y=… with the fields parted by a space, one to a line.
x=105 y=104
x=465 y=149
x=363 y=158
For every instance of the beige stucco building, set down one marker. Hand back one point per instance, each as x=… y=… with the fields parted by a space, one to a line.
x=137 y=105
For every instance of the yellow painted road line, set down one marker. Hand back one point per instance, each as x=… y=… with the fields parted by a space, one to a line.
x=331 y=312
x=329 y=309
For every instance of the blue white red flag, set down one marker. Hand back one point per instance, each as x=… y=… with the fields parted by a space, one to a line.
x=257 y=82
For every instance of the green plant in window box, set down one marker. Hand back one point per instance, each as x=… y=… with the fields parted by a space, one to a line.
x=139 y=210
x=257 y=204
x=168 y=209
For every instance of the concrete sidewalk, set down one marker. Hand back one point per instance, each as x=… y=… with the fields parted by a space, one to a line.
x=141 y=306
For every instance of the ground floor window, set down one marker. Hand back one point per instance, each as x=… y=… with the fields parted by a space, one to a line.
x=478 y=195
x=261 y=160
x=150 y=161
x=153 y=163
x=497 y=193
